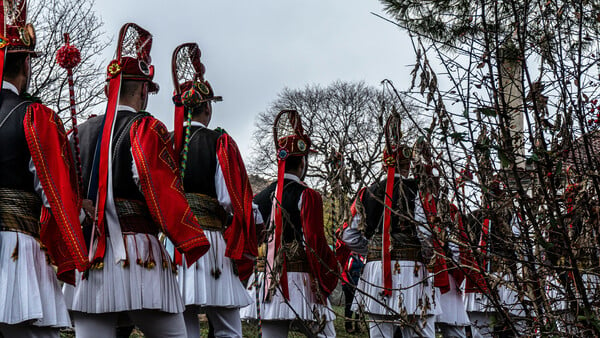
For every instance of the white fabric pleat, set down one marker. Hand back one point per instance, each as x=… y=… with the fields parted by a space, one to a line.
x=29 y=289
x=117 y=288
x=413 y=292
x=302 y=305
x=199 y=287
x=249 y=312
x=452 y=307
x=508 y=296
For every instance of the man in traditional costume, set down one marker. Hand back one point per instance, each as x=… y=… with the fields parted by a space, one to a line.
x=395 y=289
x=495 y=308
x=129 y=168
x=39 y=195
x=218 y=190
x=445 y=222
x=301 y=270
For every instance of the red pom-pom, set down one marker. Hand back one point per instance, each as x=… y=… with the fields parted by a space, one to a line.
x=68 y=56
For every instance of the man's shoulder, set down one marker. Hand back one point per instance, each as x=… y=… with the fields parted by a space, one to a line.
x=91 y=123
x=207 y=132
x=10 y=101
x=306 y=188
x=270 y=188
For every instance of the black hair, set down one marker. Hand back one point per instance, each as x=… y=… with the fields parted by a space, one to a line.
x=14 y=64
x=293 y=162
x=130 y=87
x=201 y=109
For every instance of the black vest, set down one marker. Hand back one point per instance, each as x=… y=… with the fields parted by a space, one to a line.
x=201 y=164
x=292 y=191
x=14 y=152
x=402 y=230
x=123 y=184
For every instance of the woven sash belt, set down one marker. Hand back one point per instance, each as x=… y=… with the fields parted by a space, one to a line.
x=209 y=213
x=20 y=211
x=134 y=217
x=397 y=253
x=296 y=259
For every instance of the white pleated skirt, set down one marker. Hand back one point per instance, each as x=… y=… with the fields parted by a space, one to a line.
x=507 y=294
x=116 y=287
x=249 y=312
x=302 y=305
x=198 y=285
x=29 y=289
x=452 y=306
x=556 y=294
x=477 y=302
x=413 y=292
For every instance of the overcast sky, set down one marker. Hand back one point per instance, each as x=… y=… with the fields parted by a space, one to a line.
x=253 y=49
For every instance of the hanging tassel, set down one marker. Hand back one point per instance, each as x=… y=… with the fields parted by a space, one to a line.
x=15 y=254
x=126 y=261
x=150 y=262
x=164 y=257
x=138 y=260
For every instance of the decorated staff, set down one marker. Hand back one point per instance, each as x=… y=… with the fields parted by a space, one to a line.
x=129 y=166
x=222 y=204
x=40 y=233
x=68 y=57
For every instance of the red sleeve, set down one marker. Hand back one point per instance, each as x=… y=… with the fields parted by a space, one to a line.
x=241 y=233
x=322 y=261
x=342 y=251
x=161 y=185
x=440 y=268
x=51 y=154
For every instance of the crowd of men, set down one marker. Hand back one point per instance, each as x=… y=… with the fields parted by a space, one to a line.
x=149 y=228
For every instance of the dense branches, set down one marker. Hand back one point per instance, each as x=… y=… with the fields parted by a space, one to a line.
x=520 y=109
x=345 y=123
x=51 y=19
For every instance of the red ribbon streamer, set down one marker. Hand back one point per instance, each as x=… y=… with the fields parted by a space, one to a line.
x=114 y=87
x=386 y=247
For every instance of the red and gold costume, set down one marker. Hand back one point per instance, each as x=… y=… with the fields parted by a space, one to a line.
x=389 y=226
x=300 y=269
x=39 y=199
x=131 y=171
x=218 y=190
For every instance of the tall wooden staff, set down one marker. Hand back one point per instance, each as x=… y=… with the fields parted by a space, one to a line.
x=68 y=57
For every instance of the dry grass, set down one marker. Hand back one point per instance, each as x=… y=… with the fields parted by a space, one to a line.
x=251 y=329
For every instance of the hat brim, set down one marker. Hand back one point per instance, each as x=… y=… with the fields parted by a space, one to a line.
x=153 y=87
x=31 y=53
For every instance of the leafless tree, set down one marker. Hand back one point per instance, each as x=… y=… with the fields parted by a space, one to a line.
x=52 y=18
x=517 y=107
x=345 y=123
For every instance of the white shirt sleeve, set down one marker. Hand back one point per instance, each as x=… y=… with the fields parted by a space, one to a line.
x=423 y=228
x=516 y=225
x=454 y=250
x=354 y=238
x=134 y=171
x=37 y=185
x=221 y=188
x=257 y=216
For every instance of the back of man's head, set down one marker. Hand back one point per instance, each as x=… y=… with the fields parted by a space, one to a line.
x=130 y=88
x=14 y=65
x=293 y=163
